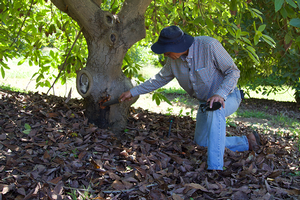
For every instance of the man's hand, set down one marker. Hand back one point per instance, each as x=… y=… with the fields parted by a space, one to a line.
x=126 y=96
x=216 y=98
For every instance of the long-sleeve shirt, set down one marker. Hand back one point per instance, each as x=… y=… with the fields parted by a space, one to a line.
x=207 y=70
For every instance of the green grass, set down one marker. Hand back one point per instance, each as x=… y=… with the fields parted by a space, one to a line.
x=18 y=78
x=23 y=71
x=256 y=114
x=284 y=124
x=11 y=88
x=278 y=119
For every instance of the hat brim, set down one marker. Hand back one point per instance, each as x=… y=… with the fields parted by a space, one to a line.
x=184 y=45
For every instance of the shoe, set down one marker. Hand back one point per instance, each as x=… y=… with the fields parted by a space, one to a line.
x=253 y=140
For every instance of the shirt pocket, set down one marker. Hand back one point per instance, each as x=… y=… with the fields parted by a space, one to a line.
x=204 y=75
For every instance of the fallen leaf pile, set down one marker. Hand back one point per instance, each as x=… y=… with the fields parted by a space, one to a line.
x=48 y=150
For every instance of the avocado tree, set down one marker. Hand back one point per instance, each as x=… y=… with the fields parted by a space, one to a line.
x=280 y=66
x=108 y=37
x=91 y=38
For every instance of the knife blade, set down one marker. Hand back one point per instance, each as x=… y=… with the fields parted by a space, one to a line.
x=111 y=102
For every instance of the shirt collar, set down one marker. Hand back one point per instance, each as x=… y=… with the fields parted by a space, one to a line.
x=191 y=51
x=190 y=54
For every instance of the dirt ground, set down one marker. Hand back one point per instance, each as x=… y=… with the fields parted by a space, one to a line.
x=48 y=150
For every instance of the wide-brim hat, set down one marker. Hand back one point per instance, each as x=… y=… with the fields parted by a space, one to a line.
x=172 y=39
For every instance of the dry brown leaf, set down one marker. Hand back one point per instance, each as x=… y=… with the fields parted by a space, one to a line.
x=239 y=195
x=196 y=186
x=156 y=194
x=181 y=171
x=12 y=147
x=2 y=136
x=113 y=176
x=149 y=141
x=81 y=155
x=46 y=155
x=275 y=173
x=118 y=185
x=52 y=115
x=141 y=170
x=293 y=192
x=59 y=188
x=56 y=180
x=91 y=130
x=176 y=197
x=127 y=184
x=6 y=188
x=175 y=158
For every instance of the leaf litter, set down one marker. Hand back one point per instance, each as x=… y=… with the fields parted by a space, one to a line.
x=48 y=150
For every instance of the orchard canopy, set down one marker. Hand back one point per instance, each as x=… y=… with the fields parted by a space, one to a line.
x=247 y=29
x=97 y=37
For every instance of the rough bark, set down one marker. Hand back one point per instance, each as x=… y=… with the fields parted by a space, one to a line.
x=108 y=37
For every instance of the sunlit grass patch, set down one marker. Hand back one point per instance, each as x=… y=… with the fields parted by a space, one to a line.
x=256 y=114
x=11 y=88
x=284 y=124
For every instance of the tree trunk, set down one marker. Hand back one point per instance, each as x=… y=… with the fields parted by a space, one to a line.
x=102 y=79
x=108 y=37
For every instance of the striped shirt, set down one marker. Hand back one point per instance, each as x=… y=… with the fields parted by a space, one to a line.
x=207 y=70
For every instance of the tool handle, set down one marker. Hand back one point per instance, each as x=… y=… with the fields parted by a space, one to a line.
x=205 y=106
x=216 y=106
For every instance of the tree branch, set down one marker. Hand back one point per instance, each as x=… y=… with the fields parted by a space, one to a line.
x=60 y=4
x=64 y=65
x=132 y=19
x=31 y=4
x=83 y=12
x=132 y=9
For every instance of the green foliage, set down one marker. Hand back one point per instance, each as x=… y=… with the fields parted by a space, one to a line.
x=220 y=19
x=247 y=29
x=129 y=67
x=173 y=90
x=295 y=22
x=27 y=28
x=27 y=129
x=134 y=59
x=280 y=65
x=158 y=97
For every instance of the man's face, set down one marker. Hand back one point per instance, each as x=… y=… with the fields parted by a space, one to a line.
x=173 y=55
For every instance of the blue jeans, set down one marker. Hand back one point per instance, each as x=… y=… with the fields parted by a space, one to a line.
x=211 y=132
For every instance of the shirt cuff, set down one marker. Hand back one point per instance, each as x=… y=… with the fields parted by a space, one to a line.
x=134 y=92
x=222 y=94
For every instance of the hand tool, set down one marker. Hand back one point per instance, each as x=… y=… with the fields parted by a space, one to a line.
x=111 y=102
x=205 y=106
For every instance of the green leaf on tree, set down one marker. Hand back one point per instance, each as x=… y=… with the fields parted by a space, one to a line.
x=295 y=22
x=278 y=4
